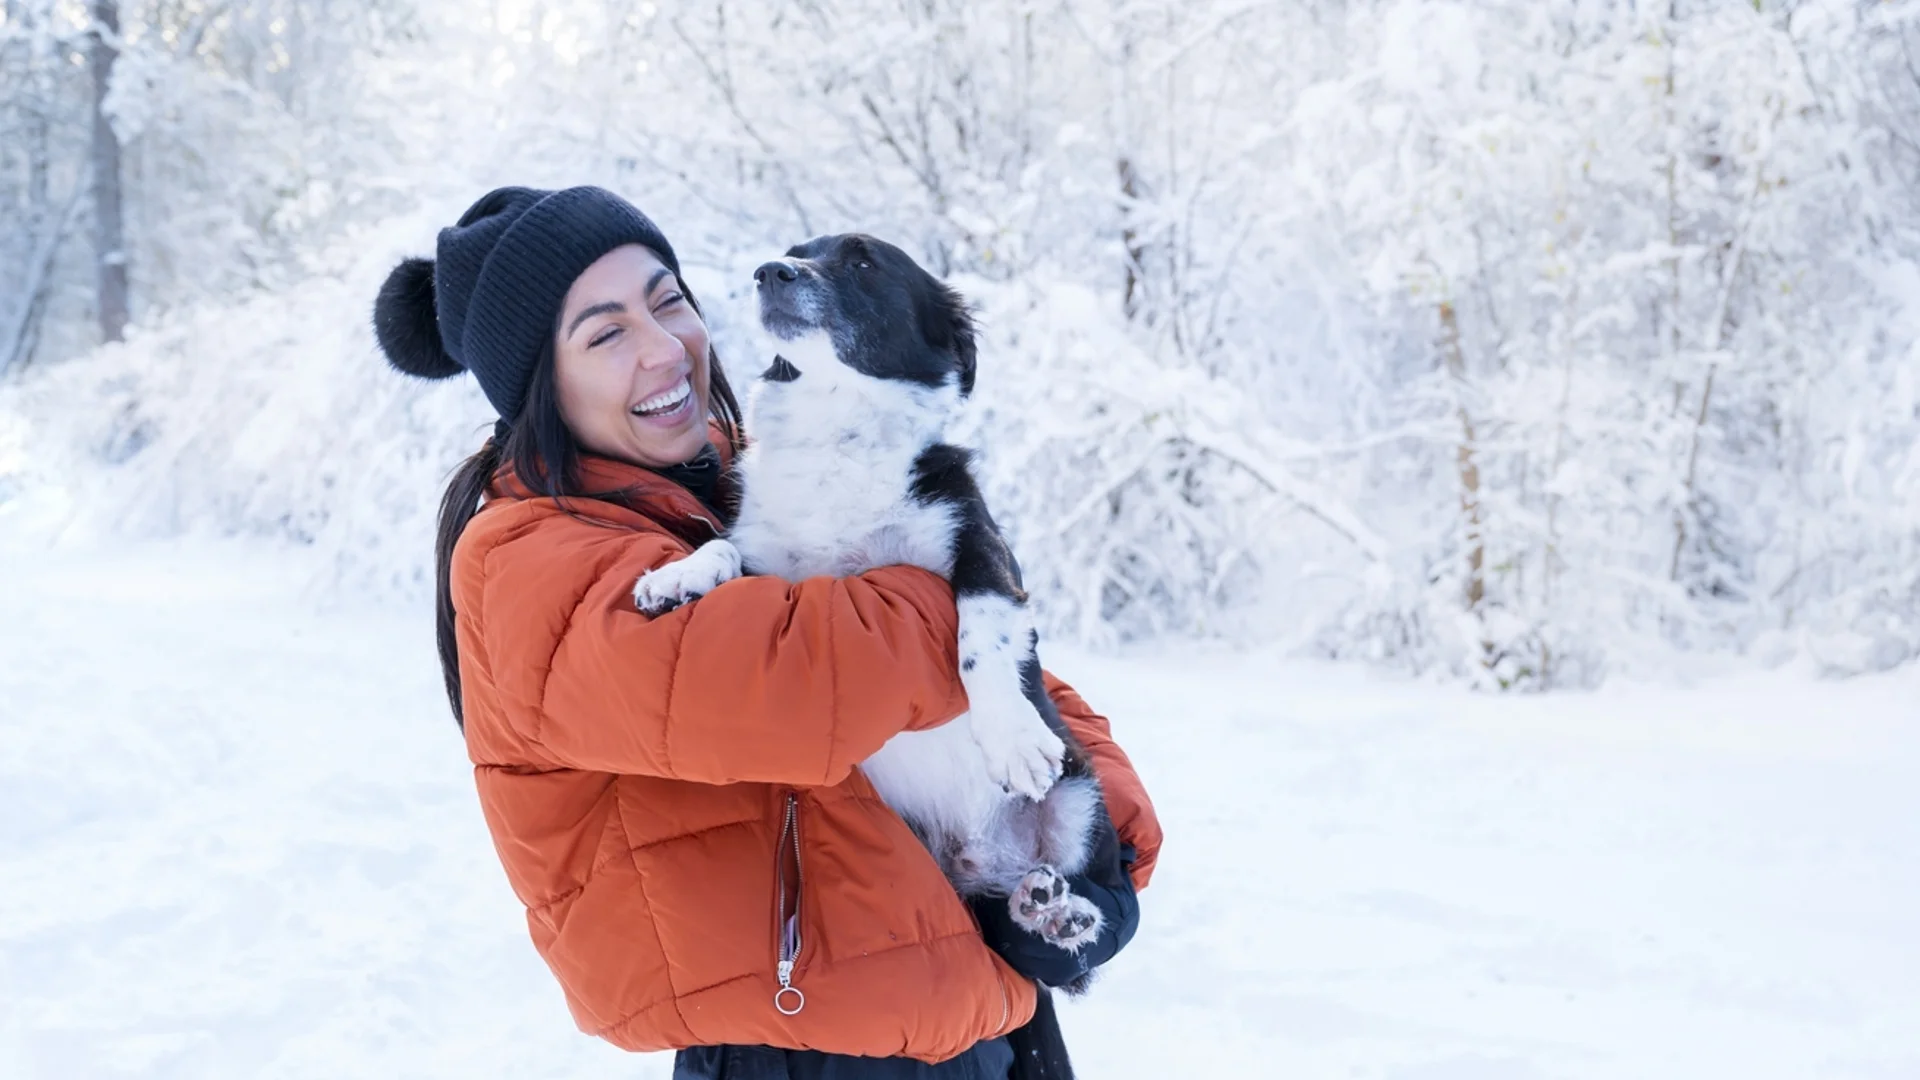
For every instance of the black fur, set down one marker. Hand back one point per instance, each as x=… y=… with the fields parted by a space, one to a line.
x=983 y=563
x=406 y=325
x=781 y=370
x=873 y=284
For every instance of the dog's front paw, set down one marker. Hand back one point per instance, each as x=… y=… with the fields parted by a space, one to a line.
x=711 y=565
x=1043 y=904
x=1023 y=755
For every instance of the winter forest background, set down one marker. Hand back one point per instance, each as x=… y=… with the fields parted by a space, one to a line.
x=1522 y=343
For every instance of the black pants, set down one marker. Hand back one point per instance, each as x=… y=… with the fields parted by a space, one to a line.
x=990 y=1059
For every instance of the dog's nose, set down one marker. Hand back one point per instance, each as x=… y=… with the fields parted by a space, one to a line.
x=777 y=270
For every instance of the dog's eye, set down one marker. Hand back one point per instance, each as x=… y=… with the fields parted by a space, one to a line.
x=863 y=264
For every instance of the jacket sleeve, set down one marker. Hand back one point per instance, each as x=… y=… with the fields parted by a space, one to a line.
x=1126 y=797
x=760 y=680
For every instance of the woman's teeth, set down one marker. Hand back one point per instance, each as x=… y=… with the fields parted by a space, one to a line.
x=666 y=402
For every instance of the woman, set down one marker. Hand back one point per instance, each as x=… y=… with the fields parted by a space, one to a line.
x=663 y=793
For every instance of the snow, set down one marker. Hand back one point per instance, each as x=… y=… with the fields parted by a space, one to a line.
x=241 y=841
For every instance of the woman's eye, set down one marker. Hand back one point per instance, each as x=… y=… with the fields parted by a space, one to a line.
x=669 y=300
x=603 y=337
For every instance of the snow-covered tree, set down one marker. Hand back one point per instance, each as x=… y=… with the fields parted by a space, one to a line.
x=1521 y=342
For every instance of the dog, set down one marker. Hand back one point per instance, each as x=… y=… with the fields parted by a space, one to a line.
x=847 y=471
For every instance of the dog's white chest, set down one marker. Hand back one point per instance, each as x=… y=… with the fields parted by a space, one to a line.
x=851 y=517
x=828 y=478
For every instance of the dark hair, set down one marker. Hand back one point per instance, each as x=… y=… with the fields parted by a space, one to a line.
x=546 y=458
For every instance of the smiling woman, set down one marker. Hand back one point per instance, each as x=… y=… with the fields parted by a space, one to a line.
x=509 y=297
x=676 y=799
x=632 y=362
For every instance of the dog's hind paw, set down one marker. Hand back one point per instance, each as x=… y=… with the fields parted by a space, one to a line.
x=1077 y=925
x=711 y=565
x=1044 y=904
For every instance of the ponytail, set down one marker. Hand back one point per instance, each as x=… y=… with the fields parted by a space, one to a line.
x=457 y=507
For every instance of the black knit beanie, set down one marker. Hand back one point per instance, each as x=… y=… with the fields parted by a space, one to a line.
x=488 y=300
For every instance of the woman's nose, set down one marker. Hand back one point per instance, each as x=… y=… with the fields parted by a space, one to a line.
x=662 y=348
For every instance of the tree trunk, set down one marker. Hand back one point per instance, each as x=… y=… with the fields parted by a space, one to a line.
x=1466 y=462
x=1130 y=237
x=109 y=242
x=1673 y=341
x=16 y=345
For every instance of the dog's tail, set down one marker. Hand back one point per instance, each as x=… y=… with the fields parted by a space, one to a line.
x=1039 y=1049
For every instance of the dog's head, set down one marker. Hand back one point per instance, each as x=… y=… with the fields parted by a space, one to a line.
x=884 y=316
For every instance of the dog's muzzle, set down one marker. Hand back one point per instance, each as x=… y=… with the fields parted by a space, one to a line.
x=789 y=298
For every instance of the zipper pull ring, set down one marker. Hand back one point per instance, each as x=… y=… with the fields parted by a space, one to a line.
x=780 y=1000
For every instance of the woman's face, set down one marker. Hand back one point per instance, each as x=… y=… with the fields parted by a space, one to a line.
x=630 y=362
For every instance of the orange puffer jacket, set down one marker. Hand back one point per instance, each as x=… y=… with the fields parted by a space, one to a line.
x=644 y=780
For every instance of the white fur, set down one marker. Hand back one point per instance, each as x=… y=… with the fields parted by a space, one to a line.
x=937 y=779
x=831 y=459
x=1003 y=847
x=1021 y=752
x=1071 y=810
x=664 y=588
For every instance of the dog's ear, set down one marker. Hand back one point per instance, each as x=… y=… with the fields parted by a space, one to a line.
x=949 y=325
x=964 y=346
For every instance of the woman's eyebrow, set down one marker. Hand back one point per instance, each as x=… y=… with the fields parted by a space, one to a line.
x=601 y=308
x=608 y=306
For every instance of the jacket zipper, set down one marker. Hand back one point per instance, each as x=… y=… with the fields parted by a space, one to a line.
x=788 y=999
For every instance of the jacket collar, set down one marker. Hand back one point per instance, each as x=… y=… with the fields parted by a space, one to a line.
x=634 y=487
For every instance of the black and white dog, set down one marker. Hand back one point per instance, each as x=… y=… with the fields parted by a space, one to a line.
x=847 y=471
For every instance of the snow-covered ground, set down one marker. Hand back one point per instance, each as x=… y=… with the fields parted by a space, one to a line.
x=238 y=839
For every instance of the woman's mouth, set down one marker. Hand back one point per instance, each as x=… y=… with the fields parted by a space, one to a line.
x=668 y=405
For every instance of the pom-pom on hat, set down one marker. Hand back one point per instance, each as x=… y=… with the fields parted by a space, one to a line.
x=488 y=300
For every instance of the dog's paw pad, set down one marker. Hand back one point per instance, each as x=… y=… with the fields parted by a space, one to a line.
x=1043 y=904
x=1035 y=900
x=1074 y=924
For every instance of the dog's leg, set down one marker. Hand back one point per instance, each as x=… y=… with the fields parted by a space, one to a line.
x=997 y=641
x=1043 y=904
x=996 y=635
x=1067 y=821
x=664 y=588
